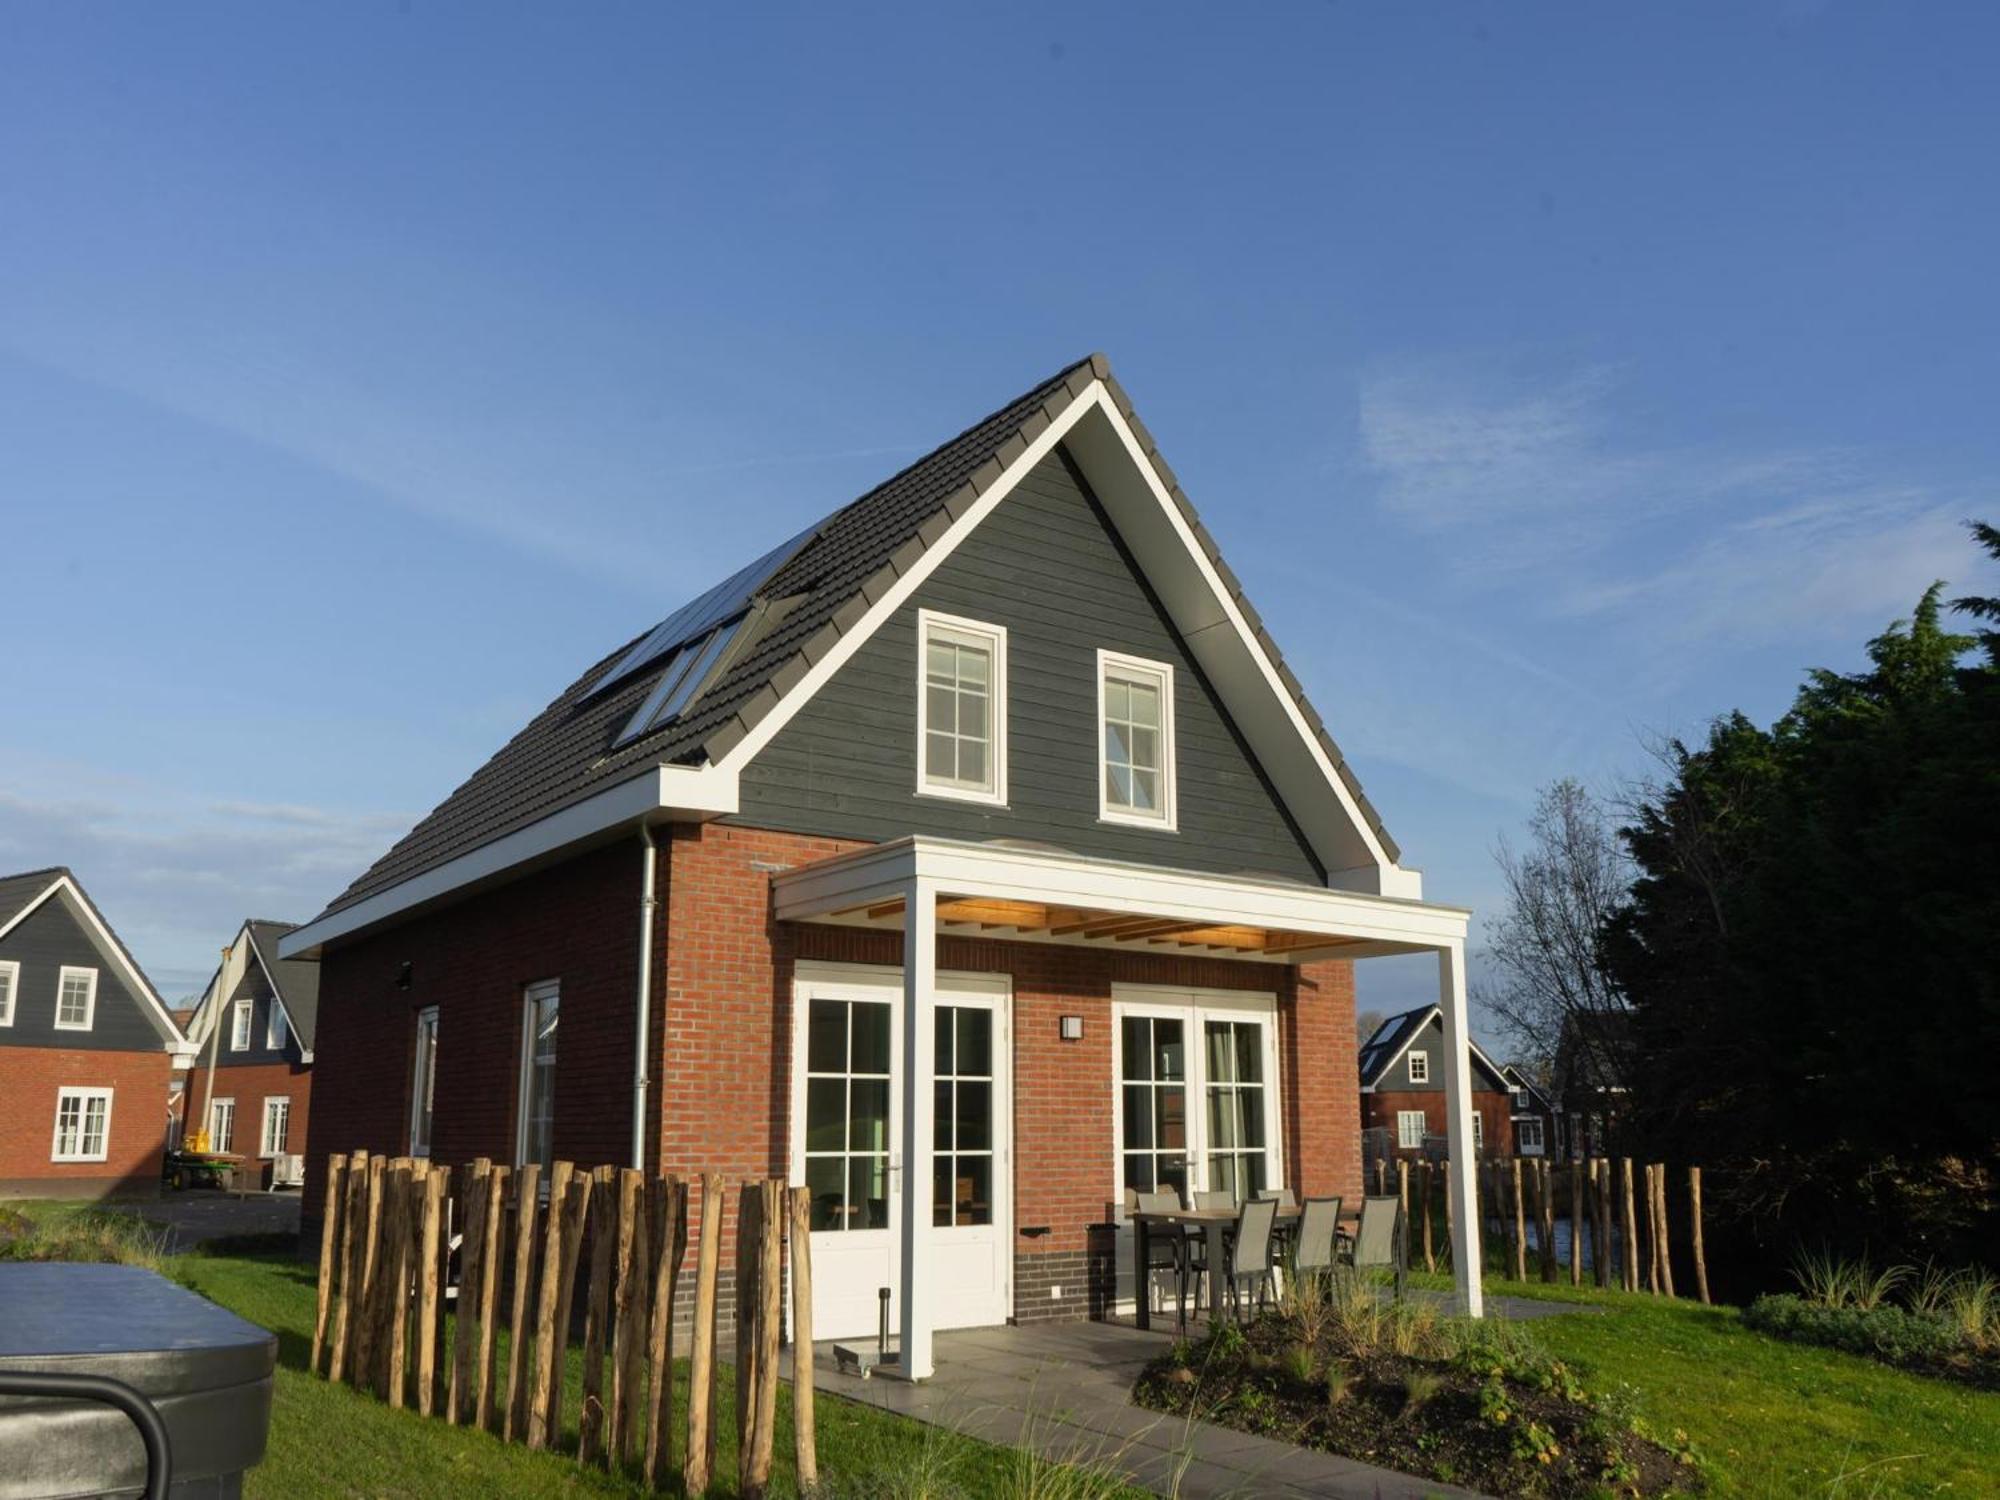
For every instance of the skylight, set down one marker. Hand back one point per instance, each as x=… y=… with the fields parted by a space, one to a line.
x=682 y=679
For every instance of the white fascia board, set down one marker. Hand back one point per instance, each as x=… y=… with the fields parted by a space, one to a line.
x=25 y=912
x=1499 y=1074
x=659 y=794
x=277 y=996
x=962 y=869
x=108 y=948
x=227 y=975
x=1220 y=638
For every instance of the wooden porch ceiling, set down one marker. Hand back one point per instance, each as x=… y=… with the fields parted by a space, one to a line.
x=988 y=915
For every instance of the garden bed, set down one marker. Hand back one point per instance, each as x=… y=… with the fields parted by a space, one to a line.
x=1402 y=1387
x=1922 y=1342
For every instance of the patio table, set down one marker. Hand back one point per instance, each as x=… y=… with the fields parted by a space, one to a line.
x=1215 y=1224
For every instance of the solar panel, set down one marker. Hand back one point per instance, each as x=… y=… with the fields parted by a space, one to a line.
x=700 y=615
x=678 y=683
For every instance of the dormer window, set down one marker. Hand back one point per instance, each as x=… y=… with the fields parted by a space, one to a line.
x=239 y=1027
x=76 y=998
x=1135 y=710
x=961 y=709
x=1420 y=1067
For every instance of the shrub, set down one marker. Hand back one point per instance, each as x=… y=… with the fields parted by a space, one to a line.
x=1883 y=1331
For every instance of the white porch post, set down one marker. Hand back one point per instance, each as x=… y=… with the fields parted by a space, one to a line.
x=919 y=1109
x=1458 y=1129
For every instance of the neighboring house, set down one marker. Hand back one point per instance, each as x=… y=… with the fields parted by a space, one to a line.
x=1536 y=1123
x=1590 y=1079
x=87 y=1049
x=971 y=859
x=1403 y=1082
x=253 y=1034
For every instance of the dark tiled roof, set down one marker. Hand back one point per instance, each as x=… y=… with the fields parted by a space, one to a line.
x=568 y=752
x=1388 y=1040
x=296 y=979
x=16 y=891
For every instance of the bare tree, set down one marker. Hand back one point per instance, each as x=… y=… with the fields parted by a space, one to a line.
x=1366 y=1024
x=1542 y=952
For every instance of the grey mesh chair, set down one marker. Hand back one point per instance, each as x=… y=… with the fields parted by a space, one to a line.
x=1166 y=1248
x=1285 y=1227
x=1208 y=1200
x=1378 y=1241
x=1251 y=1253
x=1312 y=1255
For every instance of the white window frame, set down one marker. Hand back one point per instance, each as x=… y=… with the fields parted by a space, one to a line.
x=1197 y=1007
x=275 y=1027
x=531 y=994
x=1419 y=1066
x=10 y=970
x=423 y=1081
x=240 y=1021
x=84 y=1097
x=1478 y=1131
x=1161 y=673
x=993 y=640
x=1521 y=1128
x=63 y=977
x=215 y=1106
x=1403 y=1119
x=266 y=1148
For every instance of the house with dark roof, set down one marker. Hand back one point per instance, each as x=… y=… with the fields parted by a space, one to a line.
x=88 y=1051
x=972 y=859
x=1403 y=1074
x=1537 y=1125
x=1591 y=1078
x=253 y=1028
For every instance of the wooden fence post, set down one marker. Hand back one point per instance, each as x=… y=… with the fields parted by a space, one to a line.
x=670 y=1235
x=597 y=1313
x=527 y=1197
x=329 y=1251
x=1545 y=1180
x=1607 y=1240
x=1425 y=1178
x=1665 y=1230
x=489 y=1294
x=343 y=1330
x=699 y=1461
x=1694 y=1216
x=391 y=1378
x=430 y=1284
x=1630 y=1226
x=471 y=1240
x=371 y=1277
x=1403 y=1190
x=1450 y=1243
x=749 y=1345
x=551 y=1313
x=1651 y=1225
x=628 y=1325
x=805 y=1449
x=1520 y=1227
x=770 y=1331
x=1577 y=1214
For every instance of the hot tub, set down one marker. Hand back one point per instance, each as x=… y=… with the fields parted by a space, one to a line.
x=206 y=1371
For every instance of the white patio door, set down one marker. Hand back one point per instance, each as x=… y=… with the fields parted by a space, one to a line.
x=847 y=1146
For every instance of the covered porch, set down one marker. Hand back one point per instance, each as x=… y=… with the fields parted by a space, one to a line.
x=924 y=888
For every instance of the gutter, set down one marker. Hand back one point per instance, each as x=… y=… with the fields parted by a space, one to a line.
x=643 y=1009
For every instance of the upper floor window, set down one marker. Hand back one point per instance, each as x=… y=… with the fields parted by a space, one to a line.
x=274 y=1027
x=1420 y=1067
x=239 y=1027
x=10 y=981
x=76 y=999
x=1135 y=709
x=423 y=1083
x=961 y=708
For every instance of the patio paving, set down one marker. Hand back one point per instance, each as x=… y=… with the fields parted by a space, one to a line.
x=1063 y=1390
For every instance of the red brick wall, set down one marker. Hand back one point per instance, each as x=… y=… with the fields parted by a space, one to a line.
x=1496 y=1112
x=29 y=1080
x=578 y=922
x=250 y=1085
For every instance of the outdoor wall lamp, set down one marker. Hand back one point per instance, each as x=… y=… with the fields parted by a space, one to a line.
x=1072 y=1028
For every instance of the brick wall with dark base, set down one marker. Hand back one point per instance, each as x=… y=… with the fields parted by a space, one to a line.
x=30 y=1078
x=1496 y=1117
x=250 y=1085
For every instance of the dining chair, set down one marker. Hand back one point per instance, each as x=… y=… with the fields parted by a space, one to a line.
x=1285 y=1228
x=1378 y=1240
x=1249 y=1253
x=1219 y=1198
x=1313 y=1252
x=1166 y=1248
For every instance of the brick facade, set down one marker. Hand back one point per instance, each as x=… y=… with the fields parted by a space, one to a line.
x=1496 y=1117
x=250 y=1085
x=722 y=1028
x=30 y=1078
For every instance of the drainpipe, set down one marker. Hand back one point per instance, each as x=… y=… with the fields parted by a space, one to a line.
x=214 y=1033
x=644 y=1010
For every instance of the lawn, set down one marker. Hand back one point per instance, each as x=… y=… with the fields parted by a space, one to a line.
x=1772 y=1418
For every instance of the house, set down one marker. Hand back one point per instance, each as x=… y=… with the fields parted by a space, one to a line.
x=1593 y=1066
x=971 y=858
x=1536 y=1121
x=1402 y=1071
x=253 y=1032
x=88 y=1051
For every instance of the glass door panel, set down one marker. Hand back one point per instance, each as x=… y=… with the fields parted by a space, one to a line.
x=963 y=1135
x=847 y=1114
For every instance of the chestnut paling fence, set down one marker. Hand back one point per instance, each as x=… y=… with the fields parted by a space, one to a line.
x=384 y=1286
x=1614 y=1215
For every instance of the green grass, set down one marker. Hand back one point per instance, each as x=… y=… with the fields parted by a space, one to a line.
x=1769 y=1417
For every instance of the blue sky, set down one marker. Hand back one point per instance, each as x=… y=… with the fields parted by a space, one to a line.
x=1553 y=376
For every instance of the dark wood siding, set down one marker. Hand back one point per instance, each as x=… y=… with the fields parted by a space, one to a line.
x=49 y=937
x=1430 y=1042
x=257 y=990
x=1047 y=566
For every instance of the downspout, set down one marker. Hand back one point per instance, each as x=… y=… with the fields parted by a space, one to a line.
x=214 y=1031
x=641 y=1083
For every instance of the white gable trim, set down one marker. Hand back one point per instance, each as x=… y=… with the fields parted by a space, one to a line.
x=1433 y=1014
x=277 y=996
x=1206 y=616
x=111 y=952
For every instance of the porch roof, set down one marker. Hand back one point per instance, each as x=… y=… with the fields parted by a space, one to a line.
x=1029 y=894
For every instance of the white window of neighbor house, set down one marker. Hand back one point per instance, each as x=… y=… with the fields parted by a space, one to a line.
x=1135 y=710
x=1410 y=1129
x=277 y=1125
x=541 y=1009
x=1528 y=1136
x=222 y=1125
x=83 y=1125
x=1420 y=1067
x=423 y=1081
x=1478 y=1131
x=961 y=708
x=274 y=1027
x=239 y=1027
x=10 y=981
x=76 y=998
